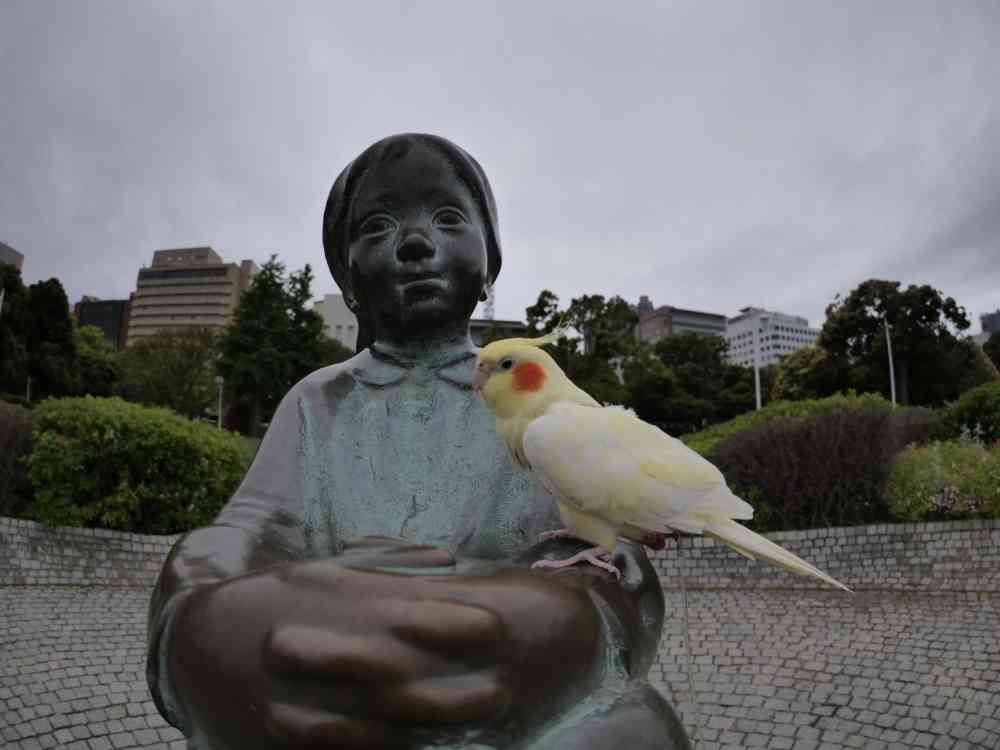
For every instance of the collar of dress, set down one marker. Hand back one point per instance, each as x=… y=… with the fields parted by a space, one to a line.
x=378 y=369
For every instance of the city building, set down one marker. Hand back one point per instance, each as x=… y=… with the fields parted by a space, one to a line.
x=990 y=323
x=11 y=256
x=774 y=333
x=188 y=287
x=110 y=315
x=657 y=323
x=341 y=324
x=505 y=329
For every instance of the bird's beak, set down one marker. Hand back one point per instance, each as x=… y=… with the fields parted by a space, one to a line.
x=481 y=375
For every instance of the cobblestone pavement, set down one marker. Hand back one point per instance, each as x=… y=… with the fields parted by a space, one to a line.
x=819 y=670
x=801 y=670
x=72 y=671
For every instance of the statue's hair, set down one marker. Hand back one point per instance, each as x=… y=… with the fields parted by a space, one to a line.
x=337 y=216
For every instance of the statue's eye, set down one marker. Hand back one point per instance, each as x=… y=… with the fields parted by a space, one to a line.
x=449 y=217
x=378 y=224
x=506 y=364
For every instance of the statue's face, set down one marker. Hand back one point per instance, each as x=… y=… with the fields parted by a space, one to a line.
x=418 y=247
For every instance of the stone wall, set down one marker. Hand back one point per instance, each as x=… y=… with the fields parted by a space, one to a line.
x=33 y=555
x=960 y=556
x=957 y=556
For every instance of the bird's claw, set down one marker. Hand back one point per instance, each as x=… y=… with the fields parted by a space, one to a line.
x=595 y=556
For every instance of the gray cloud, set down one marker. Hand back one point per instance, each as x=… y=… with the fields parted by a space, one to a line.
x=709 y=155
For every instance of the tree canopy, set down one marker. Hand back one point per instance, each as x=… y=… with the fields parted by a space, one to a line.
x=926 y=352
x=13 y=331
x=49 y=340
x=275 y=339
x=174 y=368
x=97 y=364
x=680 y=384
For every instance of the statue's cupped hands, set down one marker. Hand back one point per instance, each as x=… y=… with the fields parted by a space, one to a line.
x=387 y=645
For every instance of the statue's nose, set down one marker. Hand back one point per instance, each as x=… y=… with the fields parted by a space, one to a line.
x=416 y=246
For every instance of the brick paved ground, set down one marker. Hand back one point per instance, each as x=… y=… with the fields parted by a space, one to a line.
x=771 y=669
x=72 y=671
x=819 y=670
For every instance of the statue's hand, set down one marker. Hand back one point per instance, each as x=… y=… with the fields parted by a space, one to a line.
x=333 y=653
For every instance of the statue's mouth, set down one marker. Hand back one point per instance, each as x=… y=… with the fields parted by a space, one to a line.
x=422 y=287
x=421 y=279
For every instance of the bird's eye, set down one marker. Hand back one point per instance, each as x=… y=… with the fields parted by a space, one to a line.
x=377 y=224
x=506 y=364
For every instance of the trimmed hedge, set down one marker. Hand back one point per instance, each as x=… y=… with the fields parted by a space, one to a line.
x=976 y=411
x=704 y=442
x=109 y=463
x=949 y=480
x=15 y=447
x=817 y=471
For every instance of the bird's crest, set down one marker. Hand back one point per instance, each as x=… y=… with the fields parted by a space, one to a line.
x=503 y=346
x=561 y=330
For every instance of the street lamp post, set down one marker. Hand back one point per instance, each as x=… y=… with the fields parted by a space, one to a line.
x=756 y=361
x=219 y=381
x=892 y=372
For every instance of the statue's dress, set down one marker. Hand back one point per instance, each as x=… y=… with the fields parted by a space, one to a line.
x=375 y=446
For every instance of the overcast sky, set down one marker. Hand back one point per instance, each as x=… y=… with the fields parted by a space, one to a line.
x=712 y=155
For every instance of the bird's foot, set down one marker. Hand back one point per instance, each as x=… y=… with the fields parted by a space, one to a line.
x=557 y=534
x=595 y=556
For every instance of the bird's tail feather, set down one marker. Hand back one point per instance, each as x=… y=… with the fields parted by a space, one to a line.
x=754 y=546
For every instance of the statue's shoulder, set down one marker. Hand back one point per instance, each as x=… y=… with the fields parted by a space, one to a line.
x=337 y=379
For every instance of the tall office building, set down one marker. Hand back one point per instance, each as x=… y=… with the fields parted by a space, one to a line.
x=990 y=323
x=340 y=322
x=187 y=288
x=666 y=320
x=11 y=256
x=772 y=334
x=110 y=315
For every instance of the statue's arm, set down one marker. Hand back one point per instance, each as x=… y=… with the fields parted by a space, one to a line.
x=631 y=608
x=259 y=527
x=632 y=612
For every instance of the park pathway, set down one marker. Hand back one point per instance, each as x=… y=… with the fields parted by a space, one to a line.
x=771 y=669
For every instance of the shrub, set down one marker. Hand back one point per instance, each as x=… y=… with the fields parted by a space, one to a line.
x=823 y=470
x=13 y=398
x=15 y=446
x=945 y=480
x=704 y=442
x=976 y=411
x=105 y=462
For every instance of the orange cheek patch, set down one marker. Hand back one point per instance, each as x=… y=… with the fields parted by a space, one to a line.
x=528 y=376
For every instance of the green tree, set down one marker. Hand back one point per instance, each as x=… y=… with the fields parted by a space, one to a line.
x=332 y=352
x=274 y=340
x=992 y=348
x=809 y=372
x=174 y=368
x=923 y=344
x=708 y=388
x=97 y=362
x=13 y=331
x=593 y=359
x=52 y=357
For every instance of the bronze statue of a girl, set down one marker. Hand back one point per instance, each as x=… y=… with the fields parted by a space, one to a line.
x=369 y=584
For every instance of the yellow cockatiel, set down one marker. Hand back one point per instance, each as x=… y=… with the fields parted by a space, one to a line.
x=611 y=473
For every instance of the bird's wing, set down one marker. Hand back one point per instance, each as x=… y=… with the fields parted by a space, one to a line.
x=607 y=461
x=610 y=464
